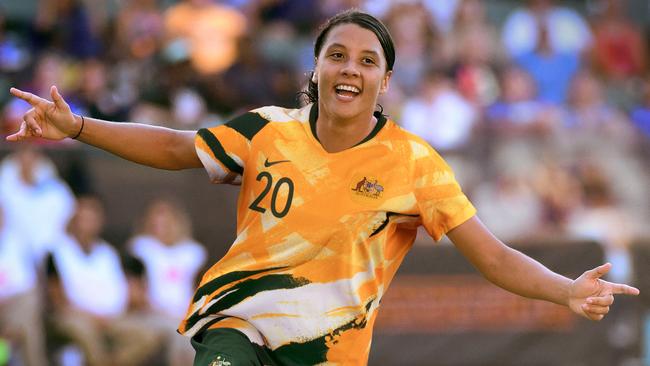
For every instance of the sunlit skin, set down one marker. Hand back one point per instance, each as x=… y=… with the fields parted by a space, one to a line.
x=351 y=55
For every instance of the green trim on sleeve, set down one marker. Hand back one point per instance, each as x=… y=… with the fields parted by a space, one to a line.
x=219 y=152
x=248 y=124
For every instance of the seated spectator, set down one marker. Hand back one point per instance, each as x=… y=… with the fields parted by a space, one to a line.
x=600 y=218
x=619 y=48
x=551 y=70
x=559 y=192
x=518 y=112
x=172 y=261
x=20 y=303
x=139 y=29
x=589 y=113
x=439 y=114
x=205 y=32
x=95 y=95
x=589 y=121
x=496 y=201
x=568 y=31
x=67 y=25
x=618 y=55
x=418 y=43
x=31 y=191
x=477 y=51
x=89 y=294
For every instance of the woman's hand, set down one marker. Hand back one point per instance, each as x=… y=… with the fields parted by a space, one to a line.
x=50 y=120
x=591 y=297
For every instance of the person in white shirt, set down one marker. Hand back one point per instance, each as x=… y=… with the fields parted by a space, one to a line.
x=172 y=261
x=89 y=293
x=20 y=304
x=568 y=30
x=31 y=191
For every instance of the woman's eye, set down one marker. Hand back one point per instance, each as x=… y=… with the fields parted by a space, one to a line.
x=368 y=60
x=336 y=55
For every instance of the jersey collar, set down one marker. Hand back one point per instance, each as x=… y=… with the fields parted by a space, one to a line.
x=313 y=116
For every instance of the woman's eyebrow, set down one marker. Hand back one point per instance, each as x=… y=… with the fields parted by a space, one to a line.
x=339 y=45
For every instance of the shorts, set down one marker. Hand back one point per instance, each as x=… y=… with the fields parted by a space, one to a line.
x=228 y=347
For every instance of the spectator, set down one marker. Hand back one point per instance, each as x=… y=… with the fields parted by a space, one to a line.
x=172 y=261
x=600 y=218
x=588 y=121
x=477 y=53
x=89 y=293
x=619 y=53
x=509 y=206
x=552 y=70
x=568 y=31
x=67 y=26
x=518 y=112
x=441 y=12
x=31 y=191
x=588 y=112
x=95 y=94
x=619 y=48
x=418 y=43
x=440 y=115
x=559 y=192
x=204 y=32
x=139 y=30
x=20 y=302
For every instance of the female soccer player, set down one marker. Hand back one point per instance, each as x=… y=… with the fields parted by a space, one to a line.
x=331 y=197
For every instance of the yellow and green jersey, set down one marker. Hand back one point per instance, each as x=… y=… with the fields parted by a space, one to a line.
x=319 y=235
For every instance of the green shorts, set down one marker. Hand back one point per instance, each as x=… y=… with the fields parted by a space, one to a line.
x=228 y=347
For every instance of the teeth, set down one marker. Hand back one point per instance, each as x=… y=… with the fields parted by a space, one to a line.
x=349 y=88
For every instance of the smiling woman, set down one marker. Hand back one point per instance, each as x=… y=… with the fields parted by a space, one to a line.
x=351 y=71
x=354 y=58
x=331 y=198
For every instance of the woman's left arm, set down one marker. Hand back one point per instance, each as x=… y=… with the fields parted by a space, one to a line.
x=588 y=295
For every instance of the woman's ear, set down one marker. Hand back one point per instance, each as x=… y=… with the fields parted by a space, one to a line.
x=314 y=79
x=384 y=83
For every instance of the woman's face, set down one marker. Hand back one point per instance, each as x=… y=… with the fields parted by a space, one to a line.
x=350 y=72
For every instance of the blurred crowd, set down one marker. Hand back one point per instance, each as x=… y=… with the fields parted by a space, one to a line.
x=544 y=114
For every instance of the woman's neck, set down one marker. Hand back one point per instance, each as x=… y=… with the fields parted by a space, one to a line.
x=337 y=134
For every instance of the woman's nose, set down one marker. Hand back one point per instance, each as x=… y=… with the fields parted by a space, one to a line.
x=350 y=70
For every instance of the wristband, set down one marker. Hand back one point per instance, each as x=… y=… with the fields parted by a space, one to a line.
x=81 y=129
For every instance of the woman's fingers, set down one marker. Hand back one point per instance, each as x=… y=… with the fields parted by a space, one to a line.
x=29 y=127
x=28 y=97
x=33 y=127
x=58 y=99
x=595 y=309
x=605 y=300
x=20 y=135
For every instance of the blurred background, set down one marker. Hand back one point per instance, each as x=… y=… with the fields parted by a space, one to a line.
x=541 y=107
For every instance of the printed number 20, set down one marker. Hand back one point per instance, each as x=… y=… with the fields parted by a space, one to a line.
x=274 y=196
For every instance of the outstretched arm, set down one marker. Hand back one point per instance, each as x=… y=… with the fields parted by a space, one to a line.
x=157 y=147
x=588 y=296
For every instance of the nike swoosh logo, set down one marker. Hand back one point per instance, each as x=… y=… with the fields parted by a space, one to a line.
x=268 y=163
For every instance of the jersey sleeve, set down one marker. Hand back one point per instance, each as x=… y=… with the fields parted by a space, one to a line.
x=441 y=202
x=224 y=149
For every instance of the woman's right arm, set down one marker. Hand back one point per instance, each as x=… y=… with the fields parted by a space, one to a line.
x=153 y=146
